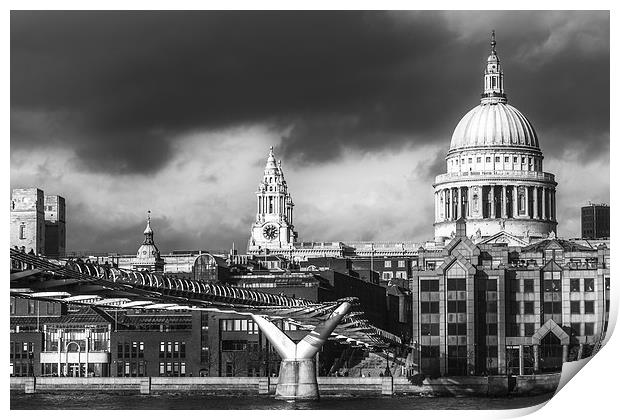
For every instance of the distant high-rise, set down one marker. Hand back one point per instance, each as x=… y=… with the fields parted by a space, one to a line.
x=595 y=221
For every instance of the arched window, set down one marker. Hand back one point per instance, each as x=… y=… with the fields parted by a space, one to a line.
x=475 y=200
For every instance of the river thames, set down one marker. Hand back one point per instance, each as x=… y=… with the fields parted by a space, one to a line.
x=196 y=401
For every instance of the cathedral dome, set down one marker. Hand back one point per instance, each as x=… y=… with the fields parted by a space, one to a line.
x=494 y=123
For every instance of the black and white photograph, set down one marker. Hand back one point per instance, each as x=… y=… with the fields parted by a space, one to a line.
x=307 y=209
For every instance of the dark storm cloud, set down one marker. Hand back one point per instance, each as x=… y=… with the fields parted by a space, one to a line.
x=124 y=84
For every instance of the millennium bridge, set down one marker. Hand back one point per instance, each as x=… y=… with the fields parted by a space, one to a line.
x=104 y=287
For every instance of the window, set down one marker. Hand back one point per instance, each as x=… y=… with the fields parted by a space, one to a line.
x=31 y=307
x=506 y=159
x=552 y=285
x=513 y=330
x=491 y=285
x=589 y=307
x=574 y=285
x=515 y=160
x=429 y=351
x=457 y=306
x=429 y=329
x=456 y=284
x=528 y=308
x=606 y=283
x=528 y=285
x=162 y=348
x=401 y=263
x=529 y=329
x=119 y=351
x=429 y=307
x=457 y=329
x=488 y=159
x=429 y=285
x=478 y=159
x=588 y=328
x=386 y=275
x=575 y=307
x=497 y=160
x=576 y=327
x=491 y=306
x=588 y=285
x=492 y=329
x=388 y=264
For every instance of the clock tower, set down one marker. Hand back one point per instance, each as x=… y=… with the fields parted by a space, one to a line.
x=273 y=229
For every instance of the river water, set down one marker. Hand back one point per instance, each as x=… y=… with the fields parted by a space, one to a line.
x=196 y=401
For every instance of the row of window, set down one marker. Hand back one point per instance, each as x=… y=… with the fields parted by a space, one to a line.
x=588 y=307
x=533 y=164
x=131 y=369
x=22 y=350
x=388 y=264
x=239 y=325
x=132 y=350
x=240 y=345
x=454 y=306
x=21 y=368
x=172 y=369
x=387 y=275
x=575 y=285
x=172 y=349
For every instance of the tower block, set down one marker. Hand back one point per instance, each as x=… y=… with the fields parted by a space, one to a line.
x=297 y=380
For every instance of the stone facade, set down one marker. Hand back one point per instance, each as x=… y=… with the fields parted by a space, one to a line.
x=28 y=219
x=55 y=228
x=497 y=309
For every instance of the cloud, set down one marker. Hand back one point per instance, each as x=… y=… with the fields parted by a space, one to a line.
x=121 y=112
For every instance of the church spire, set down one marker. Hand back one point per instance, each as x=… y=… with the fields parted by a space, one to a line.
x=148 y=232
x=493 y=77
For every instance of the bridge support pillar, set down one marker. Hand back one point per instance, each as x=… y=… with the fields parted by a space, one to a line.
x=297 y=380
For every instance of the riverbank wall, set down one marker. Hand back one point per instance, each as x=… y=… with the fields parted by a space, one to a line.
x=449 y=386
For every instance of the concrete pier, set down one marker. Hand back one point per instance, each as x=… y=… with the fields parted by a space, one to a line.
x=297 y=380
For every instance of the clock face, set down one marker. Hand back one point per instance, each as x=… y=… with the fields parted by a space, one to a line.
x=270 y=232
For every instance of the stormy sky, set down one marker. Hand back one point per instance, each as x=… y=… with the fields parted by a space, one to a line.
x=174 y=112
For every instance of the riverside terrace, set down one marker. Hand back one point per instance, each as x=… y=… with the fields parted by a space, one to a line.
x=35 y=277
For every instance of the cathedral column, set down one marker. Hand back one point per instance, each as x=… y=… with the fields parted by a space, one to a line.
x=450 y=204
x=552 y=210
x=459 y=205
x=515 y=202
x=469 y=209
x=527 y=201
x=535 y=202
x=504 y=203
x=492 y=199
x=544 y=203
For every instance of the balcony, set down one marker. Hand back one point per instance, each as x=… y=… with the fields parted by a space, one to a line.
x=474 y=175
